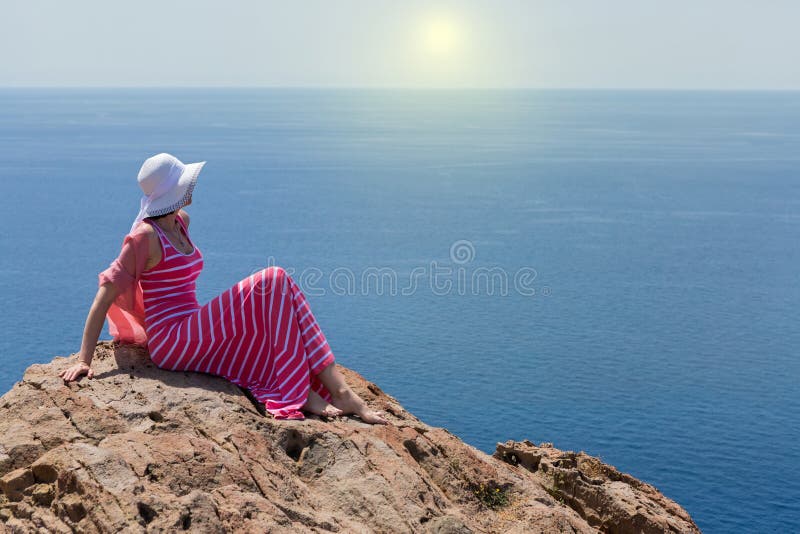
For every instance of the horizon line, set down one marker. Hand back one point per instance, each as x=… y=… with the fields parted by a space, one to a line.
x=406 y=88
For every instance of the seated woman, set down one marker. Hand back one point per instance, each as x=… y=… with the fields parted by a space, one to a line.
x=260 y=334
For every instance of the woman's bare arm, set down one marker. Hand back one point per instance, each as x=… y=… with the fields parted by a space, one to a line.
x=91 y=332
x=95 y=320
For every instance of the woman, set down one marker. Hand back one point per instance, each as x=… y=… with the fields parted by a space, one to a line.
x=259 y=334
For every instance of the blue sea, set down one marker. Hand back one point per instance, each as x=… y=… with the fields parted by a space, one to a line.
x=611 y=271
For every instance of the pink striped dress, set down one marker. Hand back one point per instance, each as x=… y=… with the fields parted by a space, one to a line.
x=260 y=334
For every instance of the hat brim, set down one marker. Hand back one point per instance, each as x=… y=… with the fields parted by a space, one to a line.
x=179 y=196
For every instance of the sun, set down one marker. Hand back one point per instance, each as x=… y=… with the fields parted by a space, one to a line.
x=441 y=45
x=441 y=36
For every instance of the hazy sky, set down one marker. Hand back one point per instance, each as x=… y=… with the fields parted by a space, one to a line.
x=725 y=44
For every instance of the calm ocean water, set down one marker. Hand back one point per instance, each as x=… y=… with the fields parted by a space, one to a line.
x=658 y=232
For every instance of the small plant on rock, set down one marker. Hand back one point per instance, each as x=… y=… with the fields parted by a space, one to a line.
x=492 y=495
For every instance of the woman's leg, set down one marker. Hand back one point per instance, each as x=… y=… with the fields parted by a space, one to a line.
x=314 y=362
x=345 y=398
x=317 y=353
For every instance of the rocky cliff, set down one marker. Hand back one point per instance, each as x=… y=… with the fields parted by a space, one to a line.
x=140 y=449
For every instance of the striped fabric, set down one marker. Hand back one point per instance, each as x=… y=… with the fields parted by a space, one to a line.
x=260 y=334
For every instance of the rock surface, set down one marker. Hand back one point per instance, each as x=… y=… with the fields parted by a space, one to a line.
x=141 y=449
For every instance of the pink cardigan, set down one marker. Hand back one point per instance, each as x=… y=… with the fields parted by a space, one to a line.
x=126 y=313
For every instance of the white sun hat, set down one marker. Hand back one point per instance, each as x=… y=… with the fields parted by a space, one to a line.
x=167 y=184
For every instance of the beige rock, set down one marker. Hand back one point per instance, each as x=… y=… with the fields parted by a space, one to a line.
x=607 y=499
x=141 y=449
x=13 y=483
x=43 y=494
x=72 y=507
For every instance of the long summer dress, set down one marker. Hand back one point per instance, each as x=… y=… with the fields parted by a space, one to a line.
x=260 y=334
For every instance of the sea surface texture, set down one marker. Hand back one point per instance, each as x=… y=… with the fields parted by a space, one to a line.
x=614 y=272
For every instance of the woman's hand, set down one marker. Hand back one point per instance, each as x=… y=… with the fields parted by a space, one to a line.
x=75 y=371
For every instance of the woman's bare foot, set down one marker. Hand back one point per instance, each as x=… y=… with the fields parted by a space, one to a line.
x=349 y=402
x=319 y=406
